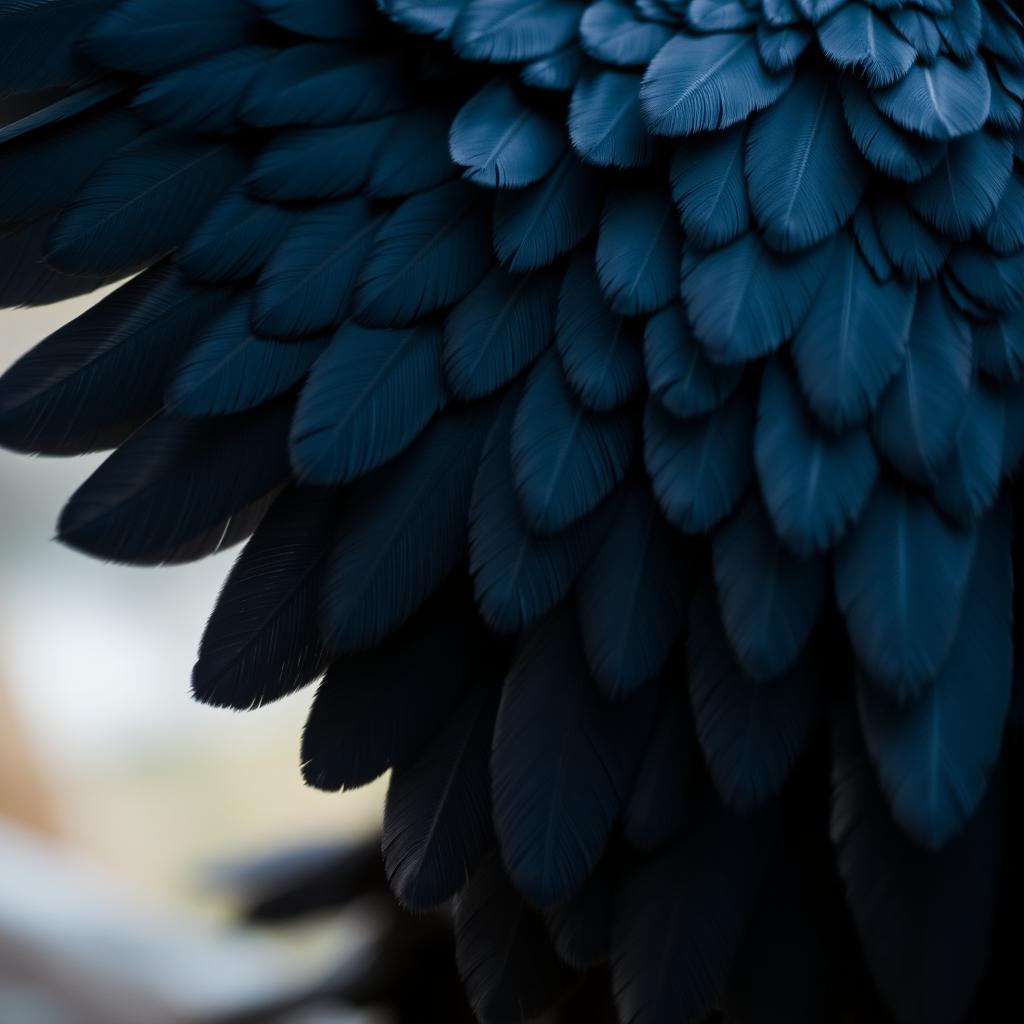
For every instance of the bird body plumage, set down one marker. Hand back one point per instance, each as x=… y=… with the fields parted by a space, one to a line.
x=624 y=398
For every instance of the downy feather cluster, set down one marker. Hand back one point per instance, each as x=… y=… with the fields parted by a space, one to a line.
x=623 y=400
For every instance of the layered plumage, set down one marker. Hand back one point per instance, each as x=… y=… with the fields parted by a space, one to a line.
x=624 y=399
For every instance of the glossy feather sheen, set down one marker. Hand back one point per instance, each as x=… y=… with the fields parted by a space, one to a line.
x=700 y=83
x=428 y=254
x=565 y=459
x=501 y=142
x=804 y=175
x=853 y=340
x=367 y=398
x=814 y=483
x=519 y=575
x=220 y=487
x=507 y=327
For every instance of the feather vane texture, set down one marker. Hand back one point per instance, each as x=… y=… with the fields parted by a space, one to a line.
x=618 y=393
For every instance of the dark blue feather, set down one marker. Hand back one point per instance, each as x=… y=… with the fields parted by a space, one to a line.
x=699 y=468
x=534 y=226
x=230 y=369
x=770 y=600
x=853 y=340
x=502 y=950
x=919 y=28
x=605 y=125
x=424 y=17
x=565 y=459
x=804 y=176
x=611 y=32
x=599 y=351
x=323 y=84
x=498 y=329
x=679 y=918
x=404 y=532
x=680 y=376
x=855 y=37
x=814 y=482
x=205 y=96
x=1004 y=230
x=321 y=19
x=367 y=398
x=180 y=489
x=709 y=187
x=934 y=757
x=309 y=282
x=703 y=83
x=437 y=819
x=630 y=597
x=945 y=100
x=235 y=239
x=26 y=115
x=901 y=576
x=38 y=43
x=991 y=283
x=508 y=31
x=429 y=254
x=26 y=280
x=323 y=163
x=561 y=765
x=502 y=142
x=68 y=395
x=141 y=203
x=963 y=192
x=865 y=231
x=147 y=37
x=414 y=155
x=967 y=484
x=961 y=28
x=261 y=642
x=916 y=250
x=520 y=576
x=379 y=709
x=894 y=152
x=638 y=251
x=999 y=347
x=924 y=919
x=751 y=731
x=744 y=300
x=715 y=16
x=781 y=48
x=37 y=179
x=556 y=72
x=916 y=422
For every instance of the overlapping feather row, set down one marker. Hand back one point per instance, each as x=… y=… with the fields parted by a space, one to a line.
x=625 y=400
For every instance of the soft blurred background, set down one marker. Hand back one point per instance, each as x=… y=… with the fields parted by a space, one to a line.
x=135 y=824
